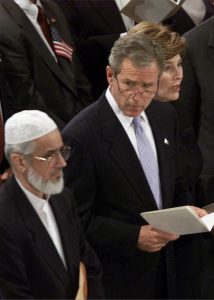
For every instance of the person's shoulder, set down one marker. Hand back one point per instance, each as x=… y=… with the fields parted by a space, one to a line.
x=9 y=213
x=6 y=189
x=50 y=3
x=54 y=9
x=9 y=27
x=200 y=29
x=83 y=119
x=67 y=194
x=163 y=107
x=162 y=111
x=5 y=17
x=67 y=201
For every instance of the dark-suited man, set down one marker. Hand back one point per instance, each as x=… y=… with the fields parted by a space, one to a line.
x=42 y=245
x=110 y=184
x=42 y=73
x=197 y=93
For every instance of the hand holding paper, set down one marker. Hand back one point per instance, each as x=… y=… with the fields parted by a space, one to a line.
x=201 y=212
x=180 y=220
x=152 y=240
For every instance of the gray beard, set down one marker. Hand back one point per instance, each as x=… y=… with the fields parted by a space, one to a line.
x=48 y=188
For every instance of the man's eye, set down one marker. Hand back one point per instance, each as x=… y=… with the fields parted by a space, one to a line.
x=50 y=154
x=147 y=85
x=130 y=84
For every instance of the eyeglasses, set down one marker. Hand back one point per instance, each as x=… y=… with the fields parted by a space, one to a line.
x=134 y=90
x=53 y=156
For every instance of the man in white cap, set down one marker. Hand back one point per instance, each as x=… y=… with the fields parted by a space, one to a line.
x=42 y=245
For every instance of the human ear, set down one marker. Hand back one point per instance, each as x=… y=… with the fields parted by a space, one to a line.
x=18 y=162
x=109 y=74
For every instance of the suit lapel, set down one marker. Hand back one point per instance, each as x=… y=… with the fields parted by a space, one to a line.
x=124 y=155
x=64 y=63
x=30 y=32
x=155 y=121
x=40 y=236
x=67 y=234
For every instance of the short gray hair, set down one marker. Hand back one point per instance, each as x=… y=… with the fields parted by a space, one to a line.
x=22 y=148
x=137 y=47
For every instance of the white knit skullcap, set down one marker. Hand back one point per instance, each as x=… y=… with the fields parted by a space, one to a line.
x=27 y=125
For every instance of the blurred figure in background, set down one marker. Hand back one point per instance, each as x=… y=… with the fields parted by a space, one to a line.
x=38 y=60
x=95 y=25
x=197 y=94
x=192 y=13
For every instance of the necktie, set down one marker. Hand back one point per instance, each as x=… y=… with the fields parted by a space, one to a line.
x=43 y=23
x=148 y=160
x=1 y=138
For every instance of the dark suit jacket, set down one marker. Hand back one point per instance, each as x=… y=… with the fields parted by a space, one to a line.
x=111 y=190
x=36 y=80
x=30 y=266
x=189 y=248
x=96 y=25
x=197 y=93
x=190 y=155
x=181 y=21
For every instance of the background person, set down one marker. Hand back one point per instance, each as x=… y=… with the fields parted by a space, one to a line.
x=190 y=14
x=197 y=94
x=39 y=61
x=95 y=26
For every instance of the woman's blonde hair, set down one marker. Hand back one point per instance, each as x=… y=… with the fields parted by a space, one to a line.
x=171 y=42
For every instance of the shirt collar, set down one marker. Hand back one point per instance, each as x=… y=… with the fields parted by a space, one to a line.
x=29 y=7
x=125 y=120
x=37 y=202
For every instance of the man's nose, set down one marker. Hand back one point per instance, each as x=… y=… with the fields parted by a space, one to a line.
x=61 y=161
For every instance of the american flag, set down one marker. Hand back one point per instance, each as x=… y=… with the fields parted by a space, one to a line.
x=60 y=47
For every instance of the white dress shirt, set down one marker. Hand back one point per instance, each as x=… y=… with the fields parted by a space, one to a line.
x=128 y=125
x=45 y=213
x=31 y=11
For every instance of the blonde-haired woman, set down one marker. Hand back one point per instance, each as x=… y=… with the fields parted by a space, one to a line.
x=188 y=248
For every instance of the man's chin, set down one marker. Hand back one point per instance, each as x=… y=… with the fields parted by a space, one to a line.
x=50 y=187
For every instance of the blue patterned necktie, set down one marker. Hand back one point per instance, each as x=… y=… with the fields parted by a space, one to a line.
x=148 y=160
